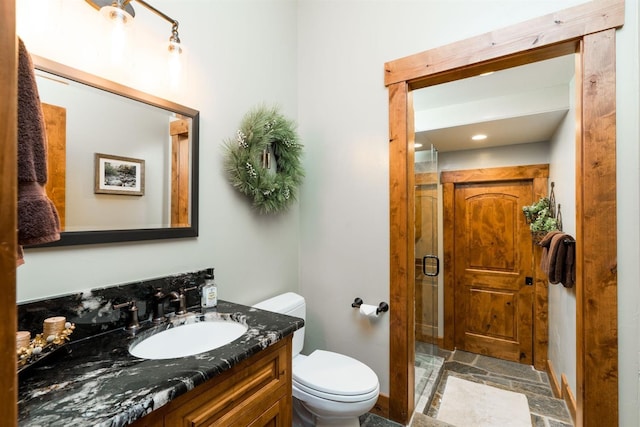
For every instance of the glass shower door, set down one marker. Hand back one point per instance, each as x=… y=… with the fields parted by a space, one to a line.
x=427 y=269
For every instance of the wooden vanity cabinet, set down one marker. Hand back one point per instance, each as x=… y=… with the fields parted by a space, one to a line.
x=256 y=393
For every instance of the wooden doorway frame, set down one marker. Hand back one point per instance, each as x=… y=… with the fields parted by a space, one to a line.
x=589 y=31
x=538 y=175
x=8 y=212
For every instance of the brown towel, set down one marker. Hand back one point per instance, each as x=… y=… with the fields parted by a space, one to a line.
x=546 y=243
x=570 y=262
x=37 y=216
x=558 y=258
x=557 y=255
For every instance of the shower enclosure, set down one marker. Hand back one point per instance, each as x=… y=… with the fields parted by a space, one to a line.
x=427 y=269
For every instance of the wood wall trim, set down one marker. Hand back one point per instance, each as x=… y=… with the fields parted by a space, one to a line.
x=590 y=29
x=508 y=47
x=381 y=407
x=569 y=399
x=496 y=174
x=401 y=369
x=8 y=213
x=562 y=390
x=596 y=231
x=541 y=291
x=448 y=264
x=553 y=380
x=55 y=119
x=180 y=144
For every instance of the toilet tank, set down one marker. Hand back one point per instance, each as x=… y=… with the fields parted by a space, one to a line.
x=290 y=304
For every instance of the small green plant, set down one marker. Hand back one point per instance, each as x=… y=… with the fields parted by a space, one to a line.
x=539 y=216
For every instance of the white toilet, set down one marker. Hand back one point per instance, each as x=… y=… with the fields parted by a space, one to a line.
x=333 y=389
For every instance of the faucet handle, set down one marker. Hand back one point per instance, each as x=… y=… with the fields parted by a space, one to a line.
x=133 y=314
x=158 y=306
x=159 y=295
x=185 y=290
x=181 y=299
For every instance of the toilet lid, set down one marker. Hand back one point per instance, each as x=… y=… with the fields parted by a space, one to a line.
x=335 y=373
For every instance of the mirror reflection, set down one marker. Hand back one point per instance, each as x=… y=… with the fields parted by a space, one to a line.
x=122 y=164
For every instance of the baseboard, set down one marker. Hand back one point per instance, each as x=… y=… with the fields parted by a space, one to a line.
x=382 y=406
x=561 y=390
x=428 y=338
x=569 y=398
x=553 y=379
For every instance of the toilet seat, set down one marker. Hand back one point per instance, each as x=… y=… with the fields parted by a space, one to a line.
x=336 y=377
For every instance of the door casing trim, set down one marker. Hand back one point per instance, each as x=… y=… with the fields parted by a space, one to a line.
x=587 y=29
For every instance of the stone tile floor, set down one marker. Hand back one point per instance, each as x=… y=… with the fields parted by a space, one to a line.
x=546 y=410
x=428 y=373
x=372 y=420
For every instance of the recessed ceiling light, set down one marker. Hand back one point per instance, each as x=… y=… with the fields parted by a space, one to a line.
x=479 y=137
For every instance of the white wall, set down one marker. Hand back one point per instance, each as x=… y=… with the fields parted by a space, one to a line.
x=562 y=301
x=496 y=157
x=237 y=53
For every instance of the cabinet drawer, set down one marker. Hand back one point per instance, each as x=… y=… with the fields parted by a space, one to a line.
x=242 y=394
x=278 y=415
x=260 y=412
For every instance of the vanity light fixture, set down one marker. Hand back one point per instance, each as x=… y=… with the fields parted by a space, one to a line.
x=417 y=145
x=479 y=137
x=121 y=12
x=118 y=13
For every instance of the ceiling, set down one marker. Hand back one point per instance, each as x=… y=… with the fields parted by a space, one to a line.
x=513 y=106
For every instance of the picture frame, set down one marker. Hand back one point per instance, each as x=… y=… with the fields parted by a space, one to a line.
x=118 y=175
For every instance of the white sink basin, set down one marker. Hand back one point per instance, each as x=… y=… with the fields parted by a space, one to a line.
x=188 y=340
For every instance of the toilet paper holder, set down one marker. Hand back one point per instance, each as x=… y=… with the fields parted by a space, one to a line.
x=383 y=307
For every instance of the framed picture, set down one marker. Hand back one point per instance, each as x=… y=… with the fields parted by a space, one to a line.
x=118 y=175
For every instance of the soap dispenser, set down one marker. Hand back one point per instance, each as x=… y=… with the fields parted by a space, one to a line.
x=209 y=298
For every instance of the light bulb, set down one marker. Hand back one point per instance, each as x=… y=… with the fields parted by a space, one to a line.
x=118 y=42
x=116 y=14
x=175 y=63
x=175 y=48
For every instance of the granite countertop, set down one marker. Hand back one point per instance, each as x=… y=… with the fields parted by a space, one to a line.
x=95 y=381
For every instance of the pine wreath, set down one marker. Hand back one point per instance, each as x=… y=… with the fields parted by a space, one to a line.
x=263 y=129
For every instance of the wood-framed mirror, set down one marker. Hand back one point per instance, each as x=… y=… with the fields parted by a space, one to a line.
x=123 y=164
x=588 y=30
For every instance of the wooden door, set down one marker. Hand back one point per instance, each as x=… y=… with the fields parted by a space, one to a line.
x=494 y=270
